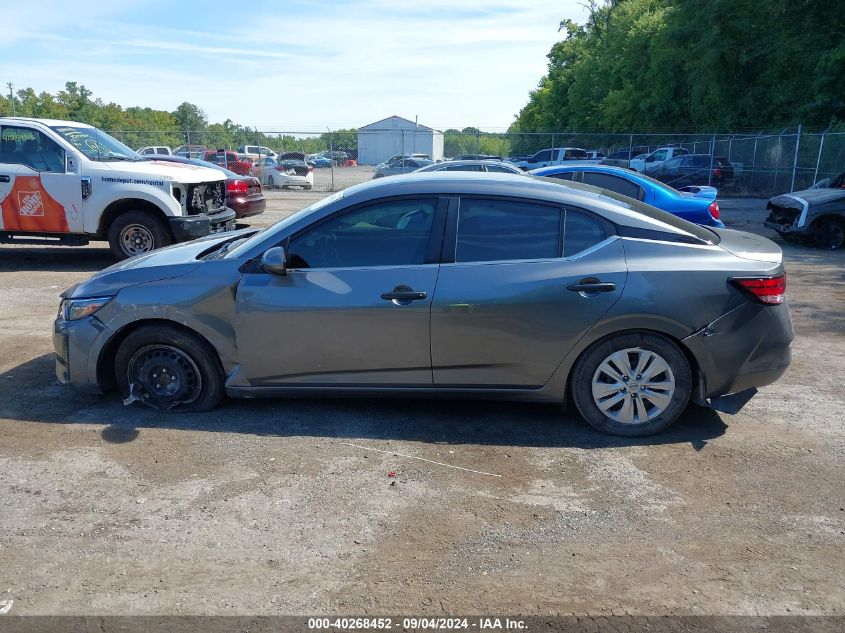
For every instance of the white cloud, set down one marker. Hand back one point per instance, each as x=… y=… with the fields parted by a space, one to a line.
x=285 y=66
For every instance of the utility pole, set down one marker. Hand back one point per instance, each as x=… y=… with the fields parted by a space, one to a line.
x=12 y=96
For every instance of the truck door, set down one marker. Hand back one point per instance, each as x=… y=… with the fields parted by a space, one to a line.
x=41 y=196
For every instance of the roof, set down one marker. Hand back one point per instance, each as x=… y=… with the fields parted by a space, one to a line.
x=375 y=125
x=47 y=122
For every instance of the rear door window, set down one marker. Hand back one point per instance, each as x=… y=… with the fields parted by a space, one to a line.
x=613 y=183
x=581 y=232
x=503 y=230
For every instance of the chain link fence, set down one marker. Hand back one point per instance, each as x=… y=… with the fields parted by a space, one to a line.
x=765 y=163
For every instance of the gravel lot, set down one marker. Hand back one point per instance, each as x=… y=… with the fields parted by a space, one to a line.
x=286 y=506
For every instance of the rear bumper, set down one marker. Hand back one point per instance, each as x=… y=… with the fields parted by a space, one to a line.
x=190 y=227
x=245 y=207
x=747 y=347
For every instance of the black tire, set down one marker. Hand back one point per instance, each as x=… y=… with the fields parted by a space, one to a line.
x=270 y=182
x=587 y=366
x=136 y=232
x=829 y=233
x=199 y=381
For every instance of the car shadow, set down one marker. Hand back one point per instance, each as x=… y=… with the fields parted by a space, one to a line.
x=30 y=392
x=15 y=258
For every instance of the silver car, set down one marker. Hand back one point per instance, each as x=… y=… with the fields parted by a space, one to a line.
x=402 y=166
x=479 y=285
x=491 y=166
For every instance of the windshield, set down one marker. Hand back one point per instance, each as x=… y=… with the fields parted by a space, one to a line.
x=96 y=144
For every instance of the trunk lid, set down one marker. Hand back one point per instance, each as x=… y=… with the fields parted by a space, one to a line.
x=749 y=246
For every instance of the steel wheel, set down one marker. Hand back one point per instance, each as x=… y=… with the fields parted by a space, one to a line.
x=136 y=239
x=165 y=374
x=633 y=386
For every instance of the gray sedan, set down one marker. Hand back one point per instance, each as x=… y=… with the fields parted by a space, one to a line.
x=490 y=166
x=479 y=285
x=403 y=166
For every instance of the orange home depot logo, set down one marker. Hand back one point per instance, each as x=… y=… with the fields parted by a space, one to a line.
x=30 y=207
x=29 y=203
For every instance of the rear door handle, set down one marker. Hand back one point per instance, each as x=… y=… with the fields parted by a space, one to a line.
x=592 y=286
x=4 y=178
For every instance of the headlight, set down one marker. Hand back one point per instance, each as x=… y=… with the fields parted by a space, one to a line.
x=73 y=309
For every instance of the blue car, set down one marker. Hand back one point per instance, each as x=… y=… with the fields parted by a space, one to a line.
x=694 y=204
x=319 y=161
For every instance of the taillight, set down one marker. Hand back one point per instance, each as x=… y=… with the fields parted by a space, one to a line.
x=280 y=168
x=717 y=173
x=310 y=168
x=767 y=290
x=714 y=210
x=237 y=186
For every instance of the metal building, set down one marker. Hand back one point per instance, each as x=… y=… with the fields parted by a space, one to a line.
x=394 y=136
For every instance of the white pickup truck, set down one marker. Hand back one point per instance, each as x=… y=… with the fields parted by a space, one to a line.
x=555 y=156
x=67 y=183
x=656 y=159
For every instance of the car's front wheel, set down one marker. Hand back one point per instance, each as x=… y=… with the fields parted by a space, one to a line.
x=169 y=369
x=632 y=384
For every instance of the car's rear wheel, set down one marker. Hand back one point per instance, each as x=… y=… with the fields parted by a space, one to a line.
x=169 y=369
x=829 y=233
x=270 y=182
x=135 y=233
x=632 y=384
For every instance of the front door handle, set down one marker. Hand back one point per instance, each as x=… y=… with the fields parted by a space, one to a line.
x=403 y=295
x=591 y=285
x=4 y=178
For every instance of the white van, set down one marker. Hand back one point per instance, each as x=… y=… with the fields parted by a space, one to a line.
x=66 y=183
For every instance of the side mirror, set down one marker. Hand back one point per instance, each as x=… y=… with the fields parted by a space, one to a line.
x=273 y=261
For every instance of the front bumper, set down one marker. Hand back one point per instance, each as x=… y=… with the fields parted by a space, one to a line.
x=747 y=347
x=77 y=345
x=190 y=227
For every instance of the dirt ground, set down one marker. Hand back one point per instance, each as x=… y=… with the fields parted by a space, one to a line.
x=286 y=506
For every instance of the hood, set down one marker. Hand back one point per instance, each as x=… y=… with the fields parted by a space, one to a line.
x=163 y=170
x=164 y=263
x=813 y=198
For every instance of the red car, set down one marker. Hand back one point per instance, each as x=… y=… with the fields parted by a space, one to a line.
x=244 y=194
x=229 y=160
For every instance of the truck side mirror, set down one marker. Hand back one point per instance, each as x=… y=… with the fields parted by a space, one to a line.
x=273 y=261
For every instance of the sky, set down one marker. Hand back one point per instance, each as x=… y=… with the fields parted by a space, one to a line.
x=292 y=65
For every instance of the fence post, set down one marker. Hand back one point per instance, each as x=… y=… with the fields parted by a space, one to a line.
x=630 y=146
x=819 y=158
x=795 y=159
x=712 y=151
x=331 y=153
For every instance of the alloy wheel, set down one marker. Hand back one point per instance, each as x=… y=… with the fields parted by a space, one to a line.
x=633 y=386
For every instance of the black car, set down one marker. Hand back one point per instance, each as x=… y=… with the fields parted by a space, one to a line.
x=694 y=169
x=816 y=214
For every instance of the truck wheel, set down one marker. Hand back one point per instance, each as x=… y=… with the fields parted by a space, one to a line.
x=169 y=369
x=137 y=232
x=632 y=384
x=829 y=233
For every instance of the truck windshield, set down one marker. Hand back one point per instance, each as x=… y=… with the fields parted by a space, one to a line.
x=96 y=144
